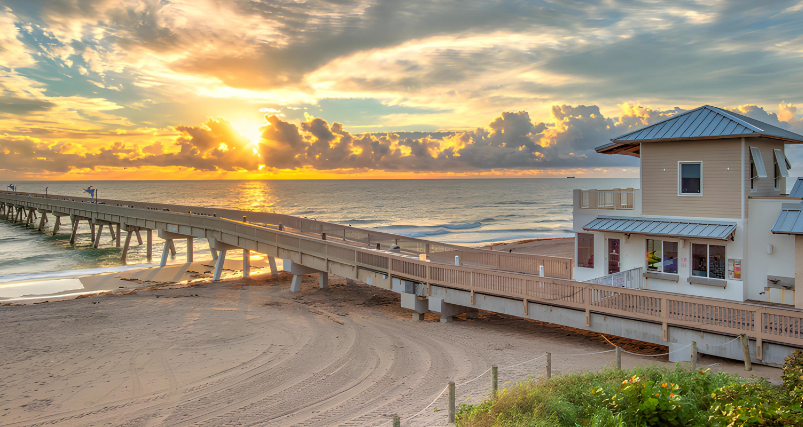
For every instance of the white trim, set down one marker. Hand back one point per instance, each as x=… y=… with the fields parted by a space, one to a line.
x=680 y=177
x=742 y=169
x=707 y=260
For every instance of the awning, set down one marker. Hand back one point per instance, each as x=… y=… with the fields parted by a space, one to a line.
x=720 y=230
x=758 y=162
x=790 y=221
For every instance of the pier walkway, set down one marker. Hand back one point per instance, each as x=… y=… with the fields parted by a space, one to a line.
x=432 y=276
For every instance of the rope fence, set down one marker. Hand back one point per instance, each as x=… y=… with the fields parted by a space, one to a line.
x=451 y=387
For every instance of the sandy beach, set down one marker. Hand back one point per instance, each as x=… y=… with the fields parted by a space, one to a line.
x=250 y=352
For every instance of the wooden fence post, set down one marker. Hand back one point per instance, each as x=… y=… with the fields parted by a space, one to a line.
x=451 y=402
x=548 y=365
x=618 y=357
x=748 y=364
x=494 y=380
x=694 y=356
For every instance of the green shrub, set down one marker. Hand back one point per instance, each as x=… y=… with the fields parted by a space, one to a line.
x=793 y=370
x=645 y=396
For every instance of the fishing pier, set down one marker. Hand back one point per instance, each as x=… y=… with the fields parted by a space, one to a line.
x=430 y=276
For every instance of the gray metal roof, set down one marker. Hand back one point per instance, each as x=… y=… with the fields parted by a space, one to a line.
x=797 y=190
x=699 y=123
x=790 y=221
x=663 y=227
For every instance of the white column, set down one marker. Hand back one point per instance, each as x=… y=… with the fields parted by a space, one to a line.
x=296 y=285
x=246 y=263
x=272 y=262
x=165 y=251
x=219 y=266
x=323 y=280
x=189 y=249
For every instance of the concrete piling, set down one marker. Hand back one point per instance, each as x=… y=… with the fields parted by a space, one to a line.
x=149 y=248
x=189 y=249
x=246 y=262
x=221 y=258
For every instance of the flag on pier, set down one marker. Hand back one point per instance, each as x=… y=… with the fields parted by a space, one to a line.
x=91 y=191
x=12 y=187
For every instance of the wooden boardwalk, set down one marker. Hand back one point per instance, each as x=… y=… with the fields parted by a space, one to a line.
x=365 y=255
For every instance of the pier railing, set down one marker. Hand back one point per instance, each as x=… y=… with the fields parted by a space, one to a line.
x=706 y=314
x=436 y=251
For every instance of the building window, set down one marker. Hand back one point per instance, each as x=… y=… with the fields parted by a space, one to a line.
x=708 y=261
x=691 y=178
x=585 y=250
x=662 y=256
x=777 y=176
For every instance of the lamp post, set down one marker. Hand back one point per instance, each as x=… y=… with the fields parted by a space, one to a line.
x=45 y=192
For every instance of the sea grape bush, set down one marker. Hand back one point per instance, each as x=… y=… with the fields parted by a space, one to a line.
x=646 y=396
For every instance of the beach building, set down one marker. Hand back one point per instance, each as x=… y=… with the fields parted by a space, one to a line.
x=712 y=216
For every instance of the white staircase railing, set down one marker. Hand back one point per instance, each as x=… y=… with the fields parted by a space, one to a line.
x=630 y=279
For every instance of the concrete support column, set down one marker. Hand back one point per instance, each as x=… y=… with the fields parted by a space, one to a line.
x=117 y=243
x=219 y=265
x=75 y=222
x=296 y=285
x=189 y=249
x=97 y=237
x=165 y=251
x=172 y=248
x=272 y=262
x=42 y=221
x=246 y=263
x=127 y=243
x=139 y=236
x=150 y=244
x=57 y=224
x=323 y=280
x=92 y=227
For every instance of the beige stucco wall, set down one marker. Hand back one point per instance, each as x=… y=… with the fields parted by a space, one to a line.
x=721 y=186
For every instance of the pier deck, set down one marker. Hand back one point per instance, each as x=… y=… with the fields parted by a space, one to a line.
x=430 y=278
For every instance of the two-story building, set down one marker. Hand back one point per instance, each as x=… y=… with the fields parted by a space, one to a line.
x=703 y=222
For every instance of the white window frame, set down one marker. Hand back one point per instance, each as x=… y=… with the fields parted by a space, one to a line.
x=647 y=264
x=707 y=260
x=680 y=178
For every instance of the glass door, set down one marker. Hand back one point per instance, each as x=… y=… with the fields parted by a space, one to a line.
x=613 y=256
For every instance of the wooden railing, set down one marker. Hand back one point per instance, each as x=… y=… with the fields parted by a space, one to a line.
x=706 y=314
x=615 y=199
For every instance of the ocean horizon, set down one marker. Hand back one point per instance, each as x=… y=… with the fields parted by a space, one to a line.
x=461 y=211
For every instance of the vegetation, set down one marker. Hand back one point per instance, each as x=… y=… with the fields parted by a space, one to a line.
x=645 y=396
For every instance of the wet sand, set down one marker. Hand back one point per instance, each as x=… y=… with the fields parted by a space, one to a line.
x=250 y=352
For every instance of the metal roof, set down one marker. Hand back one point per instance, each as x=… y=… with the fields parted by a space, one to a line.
x=704 y=122
x=797 y=190
x=790 y=221
x=663 y=227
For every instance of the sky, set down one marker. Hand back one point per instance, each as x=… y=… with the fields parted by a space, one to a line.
x=308 y=89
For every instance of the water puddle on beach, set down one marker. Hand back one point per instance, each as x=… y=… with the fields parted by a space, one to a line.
x=43 y=289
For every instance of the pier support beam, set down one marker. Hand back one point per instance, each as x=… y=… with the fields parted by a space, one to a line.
x=57 y=224
x=297 y=271
x=165 y=251
x=272 y=263
x=246 y=263
x=323 y=280
x=221 y=259
x=139 y=236
x=189 y=249
x=127 y=243
x=92 y=229
x=75 y=222
x=42 y=221
x=149 y=249
x=117 y=243
x=111 y=231
x=97 y=237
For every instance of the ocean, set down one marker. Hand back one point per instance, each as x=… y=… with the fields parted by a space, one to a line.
x=463 y=211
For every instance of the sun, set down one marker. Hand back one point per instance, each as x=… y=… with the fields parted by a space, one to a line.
x=249 y=129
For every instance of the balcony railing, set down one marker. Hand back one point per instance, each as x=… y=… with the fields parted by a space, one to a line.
x=630 y=279
x=615 y=199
